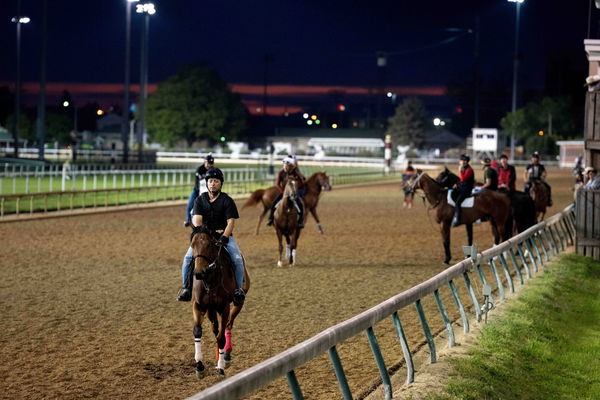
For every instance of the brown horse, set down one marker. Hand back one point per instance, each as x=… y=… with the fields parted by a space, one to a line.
x=314 y=185
x=212 y=293
x=490 y=204
x=286 y=222
x=539 y=194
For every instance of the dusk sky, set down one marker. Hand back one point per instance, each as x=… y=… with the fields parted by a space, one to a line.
x=312 y=43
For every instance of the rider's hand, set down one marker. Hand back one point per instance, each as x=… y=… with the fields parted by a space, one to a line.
x=222 y=242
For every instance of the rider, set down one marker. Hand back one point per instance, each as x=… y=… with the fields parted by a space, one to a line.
x=464 y=186
x=535 y=172
x=218 y=212
x=289 y=169
x=507 y=176
x=409 y=171
x=490 y=176
x=199 y=186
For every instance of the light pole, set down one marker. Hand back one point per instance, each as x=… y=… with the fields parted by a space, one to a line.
x=125 y=113
x=73 y=135
x=515 y=73
x=19 y=19
x=147 y=9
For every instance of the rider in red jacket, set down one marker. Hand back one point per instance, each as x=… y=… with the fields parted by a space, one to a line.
x=464 y=186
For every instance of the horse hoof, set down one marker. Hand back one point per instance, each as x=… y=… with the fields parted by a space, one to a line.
x=200 y=370
x=228 y=356
x=447 y=262
x=220 y=371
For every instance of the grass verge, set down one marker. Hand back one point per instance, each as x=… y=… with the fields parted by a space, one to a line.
x=546 y=346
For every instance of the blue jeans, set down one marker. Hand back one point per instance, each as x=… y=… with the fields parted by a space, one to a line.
x=190 y=205
x=236 y=258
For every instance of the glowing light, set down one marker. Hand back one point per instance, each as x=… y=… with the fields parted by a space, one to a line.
x=442 y=123
x=341 y=107
x=390 y=94
x=100 y=112
x=65 y=103
x=437 y=121
x=541 y=133
x=309 y=122
x=317 y=121
x=222 y=138
x=305 y=115
x=313 y=117
x=334 y=126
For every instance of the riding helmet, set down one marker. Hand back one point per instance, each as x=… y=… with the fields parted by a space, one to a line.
x=535 y=155
x=214 y=173
x=465 y=157
x=289 y=160
x=209 y=158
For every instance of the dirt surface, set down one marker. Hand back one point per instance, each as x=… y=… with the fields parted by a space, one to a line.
x=89 y=310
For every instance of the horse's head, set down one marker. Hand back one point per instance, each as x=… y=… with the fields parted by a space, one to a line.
x=323 y=181
x=204 y=251
x=290 y=190
x=446 y=178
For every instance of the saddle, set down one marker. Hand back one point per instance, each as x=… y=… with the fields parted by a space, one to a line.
x=467 y=203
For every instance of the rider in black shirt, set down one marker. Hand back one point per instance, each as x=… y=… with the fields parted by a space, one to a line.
x=218 y=212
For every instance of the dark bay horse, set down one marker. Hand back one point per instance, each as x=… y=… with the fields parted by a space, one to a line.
x=314 y=185
x=286 y=222
x=539 y=194
x=522 y=207
x=212 y=294
x=487 y=204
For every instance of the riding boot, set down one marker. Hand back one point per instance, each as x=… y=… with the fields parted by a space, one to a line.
x=300 y=214
x=456 y=218
x=271 y=217
x=185 y=294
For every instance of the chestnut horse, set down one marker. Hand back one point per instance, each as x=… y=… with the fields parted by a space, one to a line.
x=490 y=204
x=286 y=221
x=522 y=207
x=212 y=294
x=539 y=194
x=314 y=185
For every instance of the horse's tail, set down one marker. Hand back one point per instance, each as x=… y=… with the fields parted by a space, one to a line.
x=254 y=198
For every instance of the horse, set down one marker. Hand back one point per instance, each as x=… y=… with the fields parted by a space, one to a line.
x=539 y=193
x=522 y=207
x=286 y=221
x=212 y=294
x=492 y=205
x=314 y=185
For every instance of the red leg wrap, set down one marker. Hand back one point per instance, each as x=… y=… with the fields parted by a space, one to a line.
x=228 y=343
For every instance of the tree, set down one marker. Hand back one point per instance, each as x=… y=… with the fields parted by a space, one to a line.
x=58 y=127
x=192 y=105
x=526 y=122
x=407 y=126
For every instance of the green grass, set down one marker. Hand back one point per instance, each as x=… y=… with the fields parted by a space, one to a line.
x=106 y=180
x=546 y=346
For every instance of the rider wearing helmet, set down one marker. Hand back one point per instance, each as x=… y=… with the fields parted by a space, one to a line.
x=199 y=186
x=536 y=172
x=218 y=212
x=290 y=169
x=464 y=186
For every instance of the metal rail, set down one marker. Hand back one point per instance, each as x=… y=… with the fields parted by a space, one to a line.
x=550 y=236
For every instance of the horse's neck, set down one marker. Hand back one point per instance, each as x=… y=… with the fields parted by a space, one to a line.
x=312 y=185
x=433 y=192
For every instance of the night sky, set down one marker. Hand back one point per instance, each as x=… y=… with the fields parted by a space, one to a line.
x=310 y=42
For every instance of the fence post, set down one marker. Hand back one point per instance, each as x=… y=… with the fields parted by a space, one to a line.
x=339 y=373
x=445 y=318
x=459 y=305
x=294 y=385
x=410 y=370
x=385 y=377
x=473 y=296
x=426 y=331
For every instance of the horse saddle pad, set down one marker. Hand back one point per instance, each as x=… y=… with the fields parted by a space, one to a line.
x=467 y=203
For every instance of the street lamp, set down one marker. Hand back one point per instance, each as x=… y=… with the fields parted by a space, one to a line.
x=147 y=9
x=515 y=73
x=19 y=19
x=125 y=113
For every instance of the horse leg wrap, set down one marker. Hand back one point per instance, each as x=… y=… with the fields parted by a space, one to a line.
x=294 y=256
x=198 y=343
x=221 y=364
x=198 y=346
x=320 y=228
x=228 y=342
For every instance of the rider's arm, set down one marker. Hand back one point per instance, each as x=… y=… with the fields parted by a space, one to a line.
x=229 y=228
x=543 y=173
x=278 y=180
x=197 y=220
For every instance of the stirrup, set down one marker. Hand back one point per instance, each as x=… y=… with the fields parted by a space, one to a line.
x=184 y=294
x=239 y=296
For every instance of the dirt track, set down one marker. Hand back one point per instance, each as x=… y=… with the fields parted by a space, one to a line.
x=88 y=306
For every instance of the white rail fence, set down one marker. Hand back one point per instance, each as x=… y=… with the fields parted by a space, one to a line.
x=526 y=252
